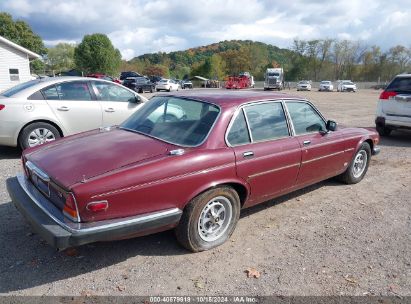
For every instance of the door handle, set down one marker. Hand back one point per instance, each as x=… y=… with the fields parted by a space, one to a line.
x=306 y=142
x=248 y=154
x=109 y=110
x=64 y=108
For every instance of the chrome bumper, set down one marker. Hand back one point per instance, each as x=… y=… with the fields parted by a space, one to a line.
x=61 y=233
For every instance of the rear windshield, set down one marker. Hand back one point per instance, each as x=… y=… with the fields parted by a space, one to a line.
x=20 y=87
x=400 y=84
x=179 y=121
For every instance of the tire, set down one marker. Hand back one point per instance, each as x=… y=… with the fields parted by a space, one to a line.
x=191 y=231
x=157 y=90
x=383 y=131
x=36 y=134
x=151 y=89
x=169 y=89
x=358 y=166
x=141 y=90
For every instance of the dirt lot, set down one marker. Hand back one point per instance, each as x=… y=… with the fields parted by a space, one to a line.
x=329 y=239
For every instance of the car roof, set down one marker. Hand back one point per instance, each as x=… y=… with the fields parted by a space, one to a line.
x=44 y=82
x=229 y=98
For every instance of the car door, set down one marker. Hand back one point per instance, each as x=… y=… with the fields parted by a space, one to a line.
x=117 y=102
x=74 y=106
x=322 y=151
x=267 y=157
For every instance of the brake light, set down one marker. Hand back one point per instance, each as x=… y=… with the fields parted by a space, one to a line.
x=2 y=107
x=70 y=208
x=387 y=95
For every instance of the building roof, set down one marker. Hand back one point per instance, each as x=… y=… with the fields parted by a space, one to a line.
x=31 y=55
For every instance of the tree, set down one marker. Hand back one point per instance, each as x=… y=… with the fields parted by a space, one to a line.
x=61 y=57
x=157 y=70
x=96 y=54
x=21 y=33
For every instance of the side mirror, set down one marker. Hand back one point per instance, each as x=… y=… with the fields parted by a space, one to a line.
x=331 y=125
x=136 y=99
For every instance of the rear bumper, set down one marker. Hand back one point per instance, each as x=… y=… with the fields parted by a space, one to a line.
x=393 y=121
x=61 y=233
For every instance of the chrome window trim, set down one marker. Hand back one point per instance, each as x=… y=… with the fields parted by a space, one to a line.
x=241 y=108
x=309 y=103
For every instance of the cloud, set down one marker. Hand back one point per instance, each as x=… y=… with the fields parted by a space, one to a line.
x=144 y=26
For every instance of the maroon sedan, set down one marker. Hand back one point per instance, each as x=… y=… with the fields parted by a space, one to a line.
x=189 y=162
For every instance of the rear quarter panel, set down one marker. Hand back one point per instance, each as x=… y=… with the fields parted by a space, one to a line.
x=19 y=113
x=156 y=185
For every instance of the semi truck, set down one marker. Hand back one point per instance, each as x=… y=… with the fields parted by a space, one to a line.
x=274 y=79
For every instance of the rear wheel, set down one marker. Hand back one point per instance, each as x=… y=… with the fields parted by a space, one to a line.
x=358 y=166
x=209 y=219
x=383 y=131
x=36 y=134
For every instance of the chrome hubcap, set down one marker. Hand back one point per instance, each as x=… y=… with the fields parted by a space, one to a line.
x=360 y=162
x=40 y=136
x=215 y=218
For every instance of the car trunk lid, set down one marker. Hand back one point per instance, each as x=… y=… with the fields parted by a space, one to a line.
x=97 y=153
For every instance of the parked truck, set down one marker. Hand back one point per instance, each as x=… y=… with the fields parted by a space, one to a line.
x=274 y=79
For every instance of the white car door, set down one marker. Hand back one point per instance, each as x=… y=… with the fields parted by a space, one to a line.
x=74 y=106
x=117 y=102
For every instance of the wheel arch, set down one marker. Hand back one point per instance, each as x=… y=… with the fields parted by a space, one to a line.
x=241 y=188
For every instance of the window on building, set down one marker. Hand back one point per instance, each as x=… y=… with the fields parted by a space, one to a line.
x=14 y=74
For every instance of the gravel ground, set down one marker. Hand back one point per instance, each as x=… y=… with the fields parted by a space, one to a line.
x=328 y=239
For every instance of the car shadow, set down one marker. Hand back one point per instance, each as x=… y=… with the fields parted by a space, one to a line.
x=27 y=261
x=9 y=152
x=397 y=138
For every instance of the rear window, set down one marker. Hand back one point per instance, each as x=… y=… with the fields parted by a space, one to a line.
x=400 y=84
x=20 y=87
x=179 y=121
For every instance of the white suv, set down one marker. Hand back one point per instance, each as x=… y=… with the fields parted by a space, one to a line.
x=394 y=106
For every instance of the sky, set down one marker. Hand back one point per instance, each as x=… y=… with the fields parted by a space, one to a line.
x=137 y=27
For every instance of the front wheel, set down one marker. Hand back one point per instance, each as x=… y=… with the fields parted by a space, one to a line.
x=37 y=133
x=209 y=219
x=358 y=166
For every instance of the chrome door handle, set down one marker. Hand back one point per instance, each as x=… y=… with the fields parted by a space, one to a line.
x=64 y=108
x=248 y=154
x=306 y=142
x=109 y=110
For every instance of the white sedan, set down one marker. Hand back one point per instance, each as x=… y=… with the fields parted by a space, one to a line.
x=304 y=85
x=326 y=85
x=42 y=110
x=167 y=85
x=346 y=86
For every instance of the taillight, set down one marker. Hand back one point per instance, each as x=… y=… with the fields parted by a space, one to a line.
x=70 y=208
x=97 y=206
x=387 y=95
x=2 y=107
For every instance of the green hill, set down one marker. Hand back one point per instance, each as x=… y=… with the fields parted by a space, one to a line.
x=216 y=60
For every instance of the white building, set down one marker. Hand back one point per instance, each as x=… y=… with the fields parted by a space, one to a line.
x=14 y=63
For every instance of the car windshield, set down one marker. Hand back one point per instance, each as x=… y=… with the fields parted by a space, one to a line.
x=164 y=80
x=20 y=87
x=179 y=121
x=325 y=82
x=348 y=82
x=273 y=74
x=304 y=82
